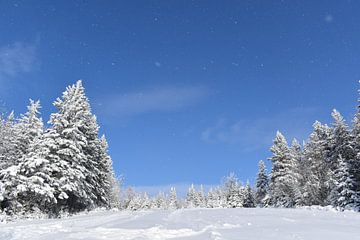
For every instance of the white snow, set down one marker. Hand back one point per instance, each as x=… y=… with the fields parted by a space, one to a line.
x=212 y=224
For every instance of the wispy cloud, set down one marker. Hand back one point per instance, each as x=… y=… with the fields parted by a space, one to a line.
x=163 y=99
x=252 y=134
x=16 y=59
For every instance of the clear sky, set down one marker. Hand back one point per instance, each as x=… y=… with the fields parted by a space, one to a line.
x=186 y=91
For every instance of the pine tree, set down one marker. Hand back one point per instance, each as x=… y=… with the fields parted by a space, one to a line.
x=342 y=144
x=249 y=199
x=136 y=202
x=26 y=133
x=160 y=201
x=191 y=197
x=173 y=201
x=355 y=164
x=201 y=199
x=67 y=168
x=29 y=127
x=216 y=198
x=10 y=153
x=282 y=178
x=343 y=195
x=233 y=192
x=145 y=201
x=296 y=155
x=262 y=184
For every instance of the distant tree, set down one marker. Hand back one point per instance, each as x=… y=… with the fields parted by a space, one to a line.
x=249 y=199
x=160 y=201
x=191 y=197
x=216 y=198
x=233 y=192
x=262 y=184
x=201 y=198
x=173 y=201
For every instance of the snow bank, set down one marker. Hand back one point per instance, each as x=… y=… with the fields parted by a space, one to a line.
x=216 y=224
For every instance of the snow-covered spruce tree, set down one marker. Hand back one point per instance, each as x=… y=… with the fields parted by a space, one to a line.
x=341 y=147
x=262 y=184
x=33 y=186
x=129 y=196
x=191 y=197
x=233 y=191
x=68 y=168
x=211 y=199
x=216 y=198
x=354 y=166
x=145 y=201
x=160 y=201
x=173 y=201
x=296 y=155
x=28 y=130
x=201 y=198
x=10 y=153
x=249 y=199
x=343 y=195
x=316 y=174
x=110 y=189
x=87 y=183
x=29 y=127
x=136 y=202
x=282 y=177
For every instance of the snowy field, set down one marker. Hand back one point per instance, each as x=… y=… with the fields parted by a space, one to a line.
x=192 y=224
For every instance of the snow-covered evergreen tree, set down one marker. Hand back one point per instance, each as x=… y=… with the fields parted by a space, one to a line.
x=249 y=199
x=283 y=182
x=160 y=201
x=10 y=153
x=216 y=198
x=296 y=155
x=191 y=197
x=136 y=202
x=173 y=201
x=67 y=168
x=201 y=198
x=146 y=201
x=262 y=184
x=342 y=144
x=233 y=191
x=29 y=127
x=343 y=194
x=355 y=164
x=26 y=133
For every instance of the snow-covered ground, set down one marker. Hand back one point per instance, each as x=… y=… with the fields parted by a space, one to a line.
x=216 y=224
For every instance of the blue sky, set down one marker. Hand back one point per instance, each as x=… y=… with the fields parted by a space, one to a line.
x=186 y=91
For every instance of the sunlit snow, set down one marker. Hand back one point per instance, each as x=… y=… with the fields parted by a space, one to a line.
x=236 y=224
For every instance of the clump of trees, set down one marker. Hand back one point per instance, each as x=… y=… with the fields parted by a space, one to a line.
x=231 y=194
x=61 y=168
x=325 y=170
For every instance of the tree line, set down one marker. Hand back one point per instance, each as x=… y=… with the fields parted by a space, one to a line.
x=65 y=167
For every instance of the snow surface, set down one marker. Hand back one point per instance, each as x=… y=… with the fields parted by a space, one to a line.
x=213 y=224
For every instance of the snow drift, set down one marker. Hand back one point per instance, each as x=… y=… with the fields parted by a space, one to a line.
x=217 y=224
